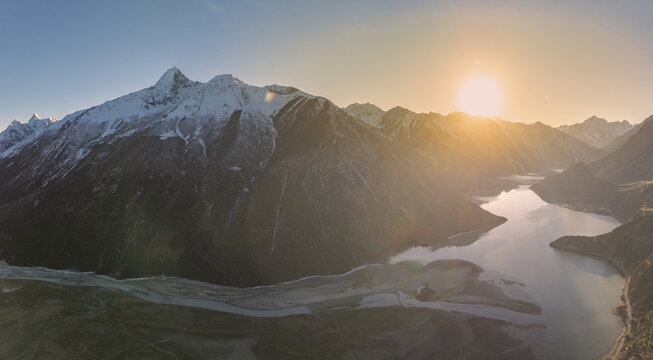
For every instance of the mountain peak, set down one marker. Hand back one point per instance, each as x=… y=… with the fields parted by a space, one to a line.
x=226 y=80
x=364 y=106
x=399 y=108
x=38 y=122
x=34 y=117
x=576 y=169
x=597 y=131
x=368 y=113
x=595 y=120
x=170 y=78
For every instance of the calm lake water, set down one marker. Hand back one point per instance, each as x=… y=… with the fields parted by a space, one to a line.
x=577 y=293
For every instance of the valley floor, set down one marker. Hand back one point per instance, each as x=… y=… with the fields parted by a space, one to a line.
x=49 y=318
x=449 y=309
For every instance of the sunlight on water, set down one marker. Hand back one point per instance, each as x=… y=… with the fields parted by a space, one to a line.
x=560 y=302
x=577 y=293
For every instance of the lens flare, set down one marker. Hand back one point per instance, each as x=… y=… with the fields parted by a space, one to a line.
x=269 y=96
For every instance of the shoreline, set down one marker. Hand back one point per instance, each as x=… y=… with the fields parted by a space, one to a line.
x=624 y=317
x=430 y=294
x=589 y=209
x=574 y=249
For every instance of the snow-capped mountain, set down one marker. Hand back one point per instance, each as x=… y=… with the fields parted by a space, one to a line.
x=174 y=107
x=368 y=113
x=220 y=181
x=17 y=132
x=596 y=131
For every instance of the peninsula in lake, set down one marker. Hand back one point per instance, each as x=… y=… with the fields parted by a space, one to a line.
x=218 y=179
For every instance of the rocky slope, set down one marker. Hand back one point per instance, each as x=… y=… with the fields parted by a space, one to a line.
x=596 y=131
x=220 y=181
x=630 y=163
x=619 y=141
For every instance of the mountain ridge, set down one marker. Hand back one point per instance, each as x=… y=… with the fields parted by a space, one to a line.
x=224 y=182
x=16 y=132
x=596 y=131
x=474 y=147
x=625 y=177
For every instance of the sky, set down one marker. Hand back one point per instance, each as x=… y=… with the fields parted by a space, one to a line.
x=558 y=62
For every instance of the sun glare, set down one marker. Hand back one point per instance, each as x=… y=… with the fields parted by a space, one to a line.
x=480 y=96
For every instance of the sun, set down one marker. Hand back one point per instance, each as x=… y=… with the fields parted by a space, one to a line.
x=480 y=95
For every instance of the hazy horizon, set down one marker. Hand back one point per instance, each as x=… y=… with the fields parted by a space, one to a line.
x=208 y=192
x=27 y=117
x=557 y=63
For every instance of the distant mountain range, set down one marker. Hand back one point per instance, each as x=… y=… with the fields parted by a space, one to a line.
x=619 y=141
x=596 y=131
x=621 y=180
x=472 y=147
x=632 y=162
x=18 y=133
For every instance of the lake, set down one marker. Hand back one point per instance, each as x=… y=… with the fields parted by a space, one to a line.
x=561 y=303
x=577 y=293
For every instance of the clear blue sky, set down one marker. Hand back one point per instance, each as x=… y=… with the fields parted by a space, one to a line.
x=557 y=61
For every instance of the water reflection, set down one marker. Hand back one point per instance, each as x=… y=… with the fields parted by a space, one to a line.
x=577 y=293
x=560 y=302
